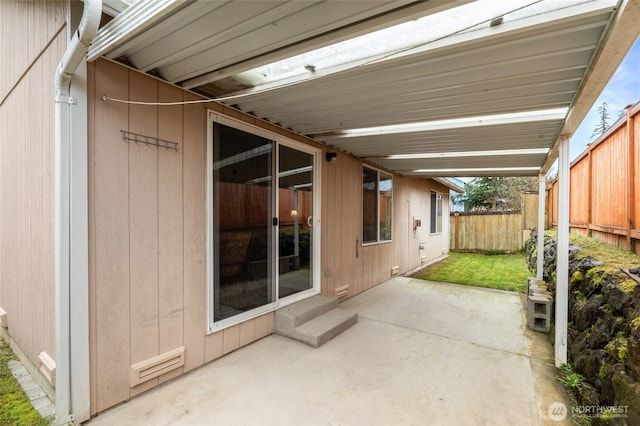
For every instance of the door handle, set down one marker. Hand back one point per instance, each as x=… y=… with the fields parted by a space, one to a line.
x=310 y=221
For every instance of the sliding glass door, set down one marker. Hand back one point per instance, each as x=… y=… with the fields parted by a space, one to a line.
x=262 y=222
x=295 y=236
x=242 y=222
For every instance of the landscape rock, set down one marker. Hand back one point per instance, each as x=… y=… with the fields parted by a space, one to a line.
x=627 y=392
x=603 y=336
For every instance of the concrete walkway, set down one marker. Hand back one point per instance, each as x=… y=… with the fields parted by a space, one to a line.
x=422 y=353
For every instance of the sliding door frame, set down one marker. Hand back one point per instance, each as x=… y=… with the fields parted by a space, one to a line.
x=212 y=325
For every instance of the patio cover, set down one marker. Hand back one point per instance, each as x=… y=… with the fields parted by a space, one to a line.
x=487 y=89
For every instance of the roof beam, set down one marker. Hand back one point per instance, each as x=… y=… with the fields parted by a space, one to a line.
x=456 y=123
x=133 y=21
x=460 y=154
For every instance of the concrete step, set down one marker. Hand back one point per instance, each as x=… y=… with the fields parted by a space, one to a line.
x=313 y=321
x=290 y=317
x=320 y=330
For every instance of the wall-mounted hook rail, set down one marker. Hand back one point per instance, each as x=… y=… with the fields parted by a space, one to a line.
x=148 y=140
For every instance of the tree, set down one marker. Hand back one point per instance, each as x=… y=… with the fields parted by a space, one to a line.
x=603 y=122
x=495 y=193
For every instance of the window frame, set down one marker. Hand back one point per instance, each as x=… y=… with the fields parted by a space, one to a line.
x=378 y=239
x=433 y=214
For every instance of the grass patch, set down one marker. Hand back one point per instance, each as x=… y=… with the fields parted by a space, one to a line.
x=499 y=271
x=611 y=256
x=15 y=408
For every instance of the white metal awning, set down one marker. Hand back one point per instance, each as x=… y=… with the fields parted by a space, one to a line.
x=485 y=87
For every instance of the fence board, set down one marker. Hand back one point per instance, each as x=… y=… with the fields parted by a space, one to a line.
x=487 y=231
x=530 y=210
x=604 y=187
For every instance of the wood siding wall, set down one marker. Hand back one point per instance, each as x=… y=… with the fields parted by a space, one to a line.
x=26 y=169
x=148 y=231
x=604 y=187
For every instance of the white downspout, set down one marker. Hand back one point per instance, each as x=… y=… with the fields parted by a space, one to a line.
x=76 y=51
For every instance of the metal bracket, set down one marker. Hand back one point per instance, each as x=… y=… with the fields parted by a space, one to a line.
x=65 y=100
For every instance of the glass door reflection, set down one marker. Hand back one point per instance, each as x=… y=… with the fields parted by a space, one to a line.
x=295 y=217
x=242 y=221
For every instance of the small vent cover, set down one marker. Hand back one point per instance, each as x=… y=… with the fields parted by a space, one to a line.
x=342 y=293
x=158 y=365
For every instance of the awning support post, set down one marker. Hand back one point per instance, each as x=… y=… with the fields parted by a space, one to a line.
x=541 y=204
x=562 y=266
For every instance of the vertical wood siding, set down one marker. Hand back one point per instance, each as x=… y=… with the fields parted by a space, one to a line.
x=170 y=236
x=148 y=232
x=37 y=23
x=26 y=170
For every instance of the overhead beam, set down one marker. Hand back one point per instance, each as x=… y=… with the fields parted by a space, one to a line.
x=454 y=123
x=134 y=20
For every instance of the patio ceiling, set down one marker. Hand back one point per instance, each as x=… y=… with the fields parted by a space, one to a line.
x=482 y=96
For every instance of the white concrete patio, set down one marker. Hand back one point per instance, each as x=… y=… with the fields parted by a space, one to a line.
x=422 y=353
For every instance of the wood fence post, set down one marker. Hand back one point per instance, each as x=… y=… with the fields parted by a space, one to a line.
x=589 y=191
x=632 y=177
x=456 y=231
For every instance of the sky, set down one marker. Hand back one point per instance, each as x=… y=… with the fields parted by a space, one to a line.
x=623 y=89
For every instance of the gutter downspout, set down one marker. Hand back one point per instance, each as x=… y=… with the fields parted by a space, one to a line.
x=73 y=56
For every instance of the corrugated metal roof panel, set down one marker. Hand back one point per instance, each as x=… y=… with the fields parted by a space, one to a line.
x=459 y=81
x=539 y=58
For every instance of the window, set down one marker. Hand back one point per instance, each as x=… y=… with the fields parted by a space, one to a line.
x=377 y=205
x=436 y=212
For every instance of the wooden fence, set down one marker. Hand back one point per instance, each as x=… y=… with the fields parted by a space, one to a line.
x=604 y=187
x=482 y=231
x=249 y=205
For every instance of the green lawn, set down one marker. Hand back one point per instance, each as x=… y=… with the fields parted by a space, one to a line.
x=503 y=271
x=15 y=408
x=612 y=257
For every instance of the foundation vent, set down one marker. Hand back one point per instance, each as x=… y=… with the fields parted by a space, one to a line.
x=395 y=270
x=48 y=368
x=3 y=319
x=342 y=293
x=158 y=365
